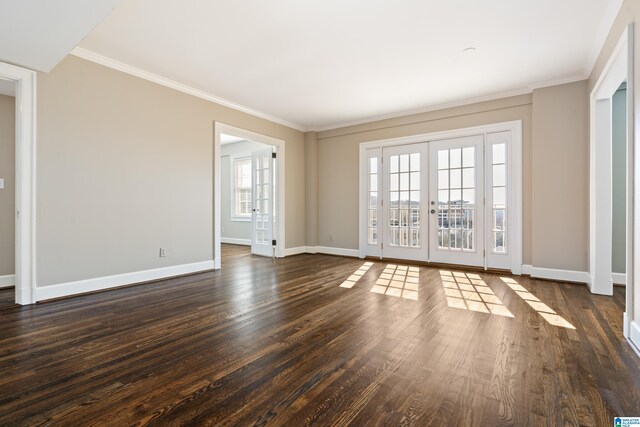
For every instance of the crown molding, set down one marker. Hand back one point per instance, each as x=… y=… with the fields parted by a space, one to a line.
x=609 y=17
x=425 y=109
x=134 y=71
x=556 y=82
x=459 y=103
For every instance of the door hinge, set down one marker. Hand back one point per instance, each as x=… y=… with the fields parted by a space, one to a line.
x=381 y=245
x=382 y=203
x=273 y=243
x=273 y=155
x=484 y=253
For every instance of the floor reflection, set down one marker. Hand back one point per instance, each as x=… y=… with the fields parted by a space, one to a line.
x=468 y=291
x=543 y=309
x=357 y=275
x=398 y=281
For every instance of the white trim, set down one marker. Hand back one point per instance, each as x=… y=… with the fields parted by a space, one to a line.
x=634 y=336
x=459 y=103
x=352 y=253
x=134 y=71
x=618 y=278
x=297 y=250
x=25 y=229
x=100 y=283
x=556 y=82
x=555 y=274
x=7 y=281
x=234 y=241
x=618 y=69
x=220 y=128
x=335 y=251
x=515 y=192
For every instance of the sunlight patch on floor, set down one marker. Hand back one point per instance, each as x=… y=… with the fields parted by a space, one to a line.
x=543 y=309
x=357 y=275
x=398 y=281
x=467 y=291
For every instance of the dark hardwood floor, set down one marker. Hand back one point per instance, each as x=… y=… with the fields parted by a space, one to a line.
x=7 y=298
x=283 y=343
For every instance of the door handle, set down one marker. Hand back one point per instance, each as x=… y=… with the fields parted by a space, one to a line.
x=433 y=211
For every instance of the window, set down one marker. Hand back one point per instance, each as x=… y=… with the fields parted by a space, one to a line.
x=373 y=201
x=241 y=192
x=499 y=183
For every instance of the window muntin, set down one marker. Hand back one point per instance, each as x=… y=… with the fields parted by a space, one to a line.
x=456 y=181
x=404 y=200
x=372 y=219
x=242 y=204
x=499 y=198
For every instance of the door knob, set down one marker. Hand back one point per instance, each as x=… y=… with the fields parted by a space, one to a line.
x=433 y=211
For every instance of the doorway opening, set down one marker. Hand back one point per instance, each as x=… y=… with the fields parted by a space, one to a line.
x=7 y=193
x=248 y=191
x=451 y=197
x=612 y=232
x=23 y=84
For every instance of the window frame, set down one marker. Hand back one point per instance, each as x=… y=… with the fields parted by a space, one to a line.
x=233 y=159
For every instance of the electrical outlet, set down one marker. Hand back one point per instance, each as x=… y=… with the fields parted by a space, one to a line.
x=163 y=252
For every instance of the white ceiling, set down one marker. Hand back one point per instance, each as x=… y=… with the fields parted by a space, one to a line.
x=38 y=34
x=318 y=64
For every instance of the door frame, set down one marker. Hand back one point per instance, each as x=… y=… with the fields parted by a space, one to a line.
x=515 y=191
x=25 y=181
x=618 y=69
x=279 y=229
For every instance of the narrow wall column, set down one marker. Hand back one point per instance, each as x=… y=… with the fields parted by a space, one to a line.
x=311 y=187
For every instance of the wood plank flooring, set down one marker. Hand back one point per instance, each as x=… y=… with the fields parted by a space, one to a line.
x=7 y=297
x=265 y=342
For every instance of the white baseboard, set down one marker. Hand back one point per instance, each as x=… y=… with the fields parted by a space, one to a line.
x=634 y=337
x=625 y=325
x=619 y=278
x=296 y=251
x=337 y=251
x=100 y=283
x=7 y=281
x=234 y=241
x=321 y=250
x=556 y=274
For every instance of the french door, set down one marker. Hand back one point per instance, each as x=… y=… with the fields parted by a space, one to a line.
x=442 y=201
x=455 y=194
x=404 y=180
x=263 y=207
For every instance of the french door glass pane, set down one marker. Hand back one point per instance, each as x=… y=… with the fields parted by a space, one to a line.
x=456 y=199
x=499 y=196
x=373 y=201
x=404 y=200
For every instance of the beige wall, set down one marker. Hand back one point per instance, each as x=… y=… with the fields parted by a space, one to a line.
x=338 y=161
x=560 y=193
x=8 y=195
x=125 y=167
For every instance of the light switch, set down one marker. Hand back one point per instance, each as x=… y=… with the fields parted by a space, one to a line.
x=1 y=183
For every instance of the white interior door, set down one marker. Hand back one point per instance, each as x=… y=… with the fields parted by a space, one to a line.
x=263 y=206
x=456 y=201
x=403 y=204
